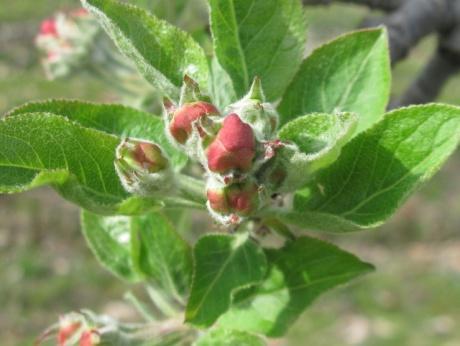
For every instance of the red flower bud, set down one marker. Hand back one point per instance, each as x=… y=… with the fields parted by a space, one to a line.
x=89 y=338
x=183 y=118
x=66 y=331
x=218 y=200
x=242 y=199
x=233 y=148
x=48 y=27
x=140 y=155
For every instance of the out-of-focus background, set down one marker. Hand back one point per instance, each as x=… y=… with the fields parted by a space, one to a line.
x=46 y=269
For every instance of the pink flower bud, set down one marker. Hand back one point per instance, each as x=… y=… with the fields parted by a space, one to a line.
x=183 y=118
x=66 y=331
x=241 y=199
x=218 y=200
x=90 y=338
x=140 y=155
x=48 y=27
x=233 y=148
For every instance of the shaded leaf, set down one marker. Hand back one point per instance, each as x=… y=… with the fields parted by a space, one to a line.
x=223 y=264
x=161 y=255
x=299 y=272
x=109 y=238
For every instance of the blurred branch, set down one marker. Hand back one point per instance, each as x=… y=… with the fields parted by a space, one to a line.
x=385 y=5
x=411 y=21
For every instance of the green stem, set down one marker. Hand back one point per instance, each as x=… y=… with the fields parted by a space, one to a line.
x=192 y=188
x=139 y=306
x=161 y=302
x=280 y=228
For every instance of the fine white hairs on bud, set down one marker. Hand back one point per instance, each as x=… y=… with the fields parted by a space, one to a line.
x=143 y=167
x=254 y=110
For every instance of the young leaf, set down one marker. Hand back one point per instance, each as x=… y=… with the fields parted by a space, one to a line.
x=298 y=273
x=161 y=255
x=223 y=264
x=320 y=136
x=264 y=38
x=228 y=337
x=349 y=74
x=221 y=87
x=161 y=52
x=109 y=238
x=379 y=169
x=114 y=119
x=40 y=148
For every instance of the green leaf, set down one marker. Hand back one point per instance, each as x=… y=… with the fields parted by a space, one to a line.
x=227 y=337
x=320 y=136
x=349 y=74
x=223 y=264
x=109 y=238
x=161 y=255
x=264 y=38
x=299 y=272
x=379 y=169
x=114 y=119
x=162 y=52
x=39 y=148
x=221 y=87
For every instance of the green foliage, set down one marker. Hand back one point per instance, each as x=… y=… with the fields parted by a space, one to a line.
x=349 y=74
x=118 y=120
x=355 y=165
x=110 y=240
x=227 y=337
x=223 y=264
x=161 y=255
x=380 y=168
x=43 y=148
x=162 y=52
x=259 y=38
x=141 y=248
x=320 y=136
x=298 y=273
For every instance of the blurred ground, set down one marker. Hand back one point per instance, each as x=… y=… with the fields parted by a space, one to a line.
x=412 y=299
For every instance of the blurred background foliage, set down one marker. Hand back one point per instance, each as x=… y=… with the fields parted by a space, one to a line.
x=46 y=269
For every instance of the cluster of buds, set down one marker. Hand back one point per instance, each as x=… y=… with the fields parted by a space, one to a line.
x=73 y=329
x=237 y=148
x=143 y=167
x=65 y=41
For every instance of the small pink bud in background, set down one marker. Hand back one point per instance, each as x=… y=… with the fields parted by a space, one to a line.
x=183 y=118
x=67 y=330
x=90 y=338
x=48 y=27
x=234 y=147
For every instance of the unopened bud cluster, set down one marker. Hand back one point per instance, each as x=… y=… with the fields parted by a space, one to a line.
x=245 y=163
x=65 y=41
x=237 y=148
